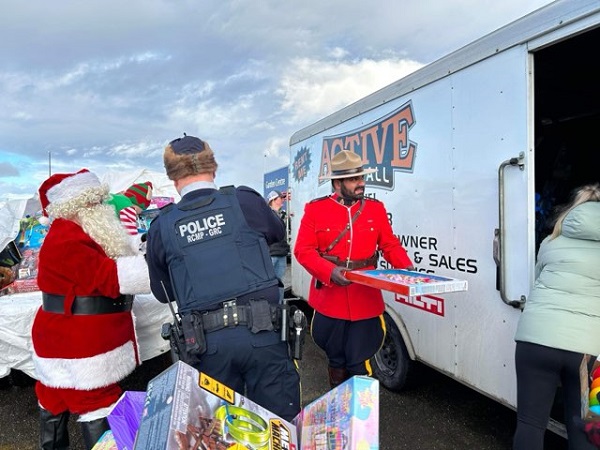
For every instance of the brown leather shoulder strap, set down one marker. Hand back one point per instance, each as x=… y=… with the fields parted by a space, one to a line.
x=345 y=230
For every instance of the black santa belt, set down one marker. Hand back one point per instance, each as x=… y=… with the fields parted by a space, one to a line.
x=87 y=305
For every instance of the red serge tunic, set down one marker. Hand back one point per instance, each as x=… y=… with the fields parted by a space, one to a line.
x=323 y=220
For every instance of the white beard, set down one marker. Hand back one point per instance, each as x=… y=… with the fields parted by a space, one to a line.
x=104 y=227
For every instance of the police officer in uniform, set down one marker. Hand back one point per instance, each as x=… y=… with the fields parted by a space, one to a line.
x=210 y=254
x=339 y=232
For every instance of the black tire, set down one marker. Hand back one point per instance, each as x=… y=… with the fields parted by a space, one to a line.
x=392 y=364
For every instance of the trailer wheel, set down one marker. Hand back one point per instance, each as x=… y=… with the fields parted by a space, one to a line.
x=392 y=364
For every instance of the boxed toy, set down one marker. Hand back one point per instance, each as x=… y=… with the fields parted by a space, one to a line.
x=406 y=282
x=589 y=373
x=185 y=409
x=29 y=240
x=347 y=417
x=106 y=442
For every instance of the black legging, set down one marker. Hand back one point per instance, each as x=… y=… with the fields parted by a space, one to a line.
x=540 y=370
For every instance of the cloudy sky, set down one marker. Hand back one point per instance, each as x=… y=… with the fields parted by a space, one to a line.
x=106 y=84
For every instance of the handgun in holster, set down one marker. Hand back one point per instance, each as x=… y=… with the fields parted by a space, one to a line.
x=296 y=330
x=185 y=335
x=173 y=333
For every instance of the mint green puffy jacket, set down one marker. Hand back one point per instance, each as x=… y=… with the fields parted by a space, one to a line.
x=563 y=308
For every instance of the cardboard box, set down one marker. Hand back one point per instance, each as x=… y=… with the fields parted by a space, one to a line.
x=106 y=442
x=347 y=417
x=29 y=240
x=185 y=409
x=406 y=282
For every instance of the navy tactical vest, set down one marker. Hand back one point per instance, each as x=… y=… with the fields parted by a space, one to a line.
x=213 y=254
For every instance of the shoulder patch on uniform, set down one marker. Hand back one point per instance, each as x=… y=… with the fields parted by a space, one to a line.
x=230 y=189
x=319 y=199
x=163 y=210
x=249 y=190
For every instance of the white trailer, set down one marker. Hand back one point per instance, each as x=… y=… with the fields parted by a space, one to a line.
x=473 y=151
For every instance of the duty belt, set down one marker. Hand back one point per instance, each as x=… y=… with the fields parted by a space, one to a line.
x=87 y=305
x=353 y=264
x=232 y=315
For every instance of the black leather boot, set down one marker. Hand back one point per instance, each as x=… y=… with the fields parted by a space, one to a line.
x=92 y=431
x=54 y=432
x=337 y=375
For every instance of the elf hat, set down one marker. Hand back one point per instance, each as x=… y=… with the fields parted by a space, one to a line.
x=140 y=194
x=63 y=187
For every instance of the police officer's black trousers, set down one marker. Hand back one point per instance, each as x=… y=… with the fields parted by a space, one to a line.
x=257 y=365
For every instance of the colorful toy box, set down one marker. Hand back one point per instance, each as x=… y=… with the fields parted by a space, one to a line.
x=29 y=240
x=590 y=388
x=185 y=409
x=347 y=417
x=106 y=442
x=406 y=282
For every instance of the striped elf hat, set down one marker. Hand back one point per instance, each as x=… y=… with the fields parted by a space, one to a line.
x=140 y=194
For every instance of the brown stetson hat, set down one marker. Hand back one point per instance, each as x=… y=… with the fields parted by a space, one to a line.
x=346 y=164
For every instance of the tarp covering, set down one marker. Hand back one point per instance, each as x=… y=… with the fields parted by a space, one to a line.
x=10 y=216
x=162 y=186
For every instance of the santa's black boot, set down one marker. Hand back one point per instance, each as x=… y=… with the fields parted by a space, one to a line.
x=92 y=431
x=54 y=431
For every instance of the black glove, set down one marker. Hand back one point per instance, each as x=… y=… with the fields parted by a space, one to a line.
x=337 y=276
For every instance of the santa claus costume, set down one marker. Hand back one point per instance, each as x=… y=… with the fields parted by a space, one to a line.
x=83 y=335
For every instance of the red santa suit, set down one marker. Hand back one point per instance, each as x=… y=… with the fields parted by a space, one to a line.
x=323 y=220
x=80 y=358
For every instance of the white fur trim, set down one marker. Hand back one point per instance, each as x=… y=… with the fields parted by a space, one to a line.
x=71 y=187
x=98 y=414
x=135 y=240
x=43 y=220
x=86 y=373
x=132 y=272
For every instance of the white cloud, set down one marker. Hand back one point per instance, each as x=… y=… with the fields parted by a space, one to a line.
x=313 y=88
x=105 y=83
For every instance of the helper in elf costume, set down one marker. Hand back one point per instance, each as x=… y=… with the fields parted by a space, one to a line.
x=83 y=335
x=130 y=203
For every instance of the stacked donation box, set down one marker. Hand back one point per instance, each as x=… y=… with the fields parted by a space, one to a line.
x=185 y=409
x=346 y=417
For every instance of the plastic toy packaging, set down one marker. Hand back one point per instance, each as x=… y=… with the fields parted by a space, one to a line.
x=590 y=399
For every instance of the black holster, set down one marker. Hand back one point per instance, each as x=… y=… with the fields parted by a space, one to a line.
x=185 y=349
x=297 y=325
x=193 y=334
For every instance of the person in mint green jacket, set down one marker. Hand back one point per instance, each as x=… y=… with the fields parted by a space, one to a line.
x=560 y=322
